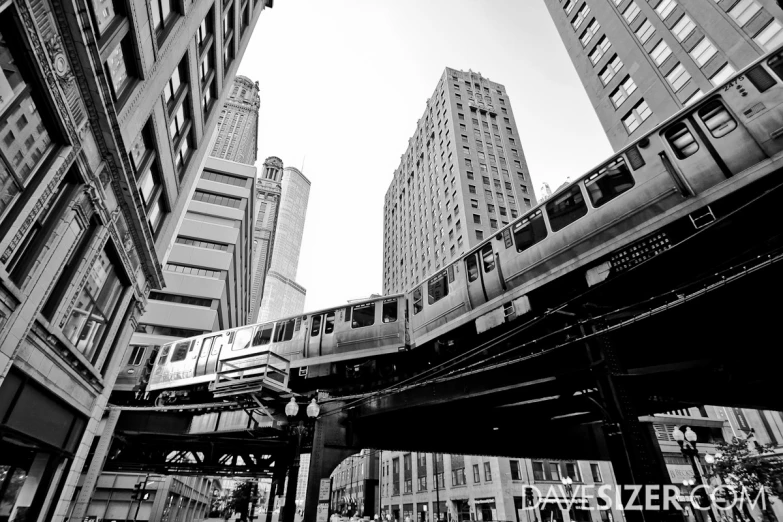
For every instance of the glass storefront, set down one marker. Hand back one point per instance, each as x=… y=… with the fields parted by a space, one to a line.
x=38 y=435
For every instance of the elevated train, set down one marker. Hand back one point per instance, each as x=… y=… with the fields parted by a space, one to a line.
x=671 y=182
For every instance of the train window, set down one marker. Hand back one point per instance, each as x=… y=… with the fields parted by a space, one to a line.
x=347 y=313
x=242 y=339
x=471 y=267
x=717 y=119
x=316 y=328
x=566 y=208
x=263 y=335
x=136 y=355
x=216 y=346
x=206 y=347
x=417 y=302
x=776 y=64
x=437 y=288
x=363 y=315
x=298 y=324
x=163 y=354
x=488 y=259
x=609 y=182
x=389 y=310
x=180 y=351
x=451 y=273
x=682 y=141
x=329 y=323
x=284 y=330
x=529 y=231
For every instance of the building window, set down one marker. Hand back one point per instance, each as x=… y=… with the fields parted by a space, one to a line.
x=477 y=219
x=703 y=51
x=722 y=75
x=599 y=50
x=612 y=68
x=665 y=8
x=539 y=471
x=596 y=471
x=177 y=96
x=515 y=472
x=479 y=235
x=696 y=96
x=683 y=28
x=487 y=472
x=206 y=47
x=476 y=474
x=631 y=12
x=633 y=119
x=678 y=77
x=117 y=65
x=228 y=37
x=771 y=36
x=568 y=6
x=95 y=305
x=623 y=91
x=580 y=16
x=20 y=101
x=645 y=31
x=163 y=16
x=744 y=10
x=143 y=156
x=660 y=52
x=588 y=34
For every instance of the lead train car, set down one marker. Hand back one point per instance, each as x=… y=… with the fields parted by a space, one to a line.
x=721 y=145
x=315 y=343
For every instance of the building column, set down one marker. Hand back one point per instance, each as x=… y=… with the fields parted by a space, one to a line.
x=331 y=445
x=96 y=466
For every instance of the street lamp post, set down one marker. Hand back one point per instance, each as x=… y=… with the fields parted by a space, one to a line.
x=687 y=442
x=297 y=429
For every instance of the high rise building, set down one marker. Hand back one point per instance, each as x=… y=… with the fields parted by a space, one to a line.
x=267 y=203
x=237 y=130
x=462 y=177
x=107 y=109
x=641 y=61
x=282 y=296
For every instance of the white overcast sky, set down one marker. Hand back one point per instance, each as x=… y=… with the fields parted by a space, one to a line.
x=343 y=83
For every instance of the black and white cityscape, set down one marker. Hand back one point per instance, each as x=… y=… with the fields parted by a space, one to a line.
x=301 y=261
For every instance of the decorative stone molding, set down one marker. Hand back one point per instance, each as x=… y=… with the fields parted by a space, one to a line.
x=62 y=68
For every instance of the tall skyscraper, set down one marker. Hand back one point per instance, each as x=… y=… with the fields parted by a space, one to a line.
x=282 y=295
x=267 y=204
x=237 y=130
x=642 y=61
x=462 y=177
x=107 y=110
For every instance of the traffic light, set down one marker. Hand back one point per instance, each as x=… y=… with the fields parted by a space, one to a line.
x=136 y=495
x=529 y=500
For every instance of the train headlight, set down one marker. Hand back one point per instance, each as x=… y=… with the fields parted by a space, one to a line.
x=131 y=371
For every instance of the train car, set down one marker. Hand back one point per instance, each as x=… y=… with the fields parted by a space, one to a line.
x=136 y=372
x=692 y=169
x=727 y=141
x=316 y=344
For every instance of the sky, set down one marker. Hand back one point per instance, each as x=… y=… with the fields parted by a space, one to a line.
x=344 y=82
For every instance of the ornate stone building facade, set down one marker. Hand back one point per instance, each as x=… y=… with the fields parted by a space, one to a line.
x=107 y=109
x=267 y=204
x=237 y=132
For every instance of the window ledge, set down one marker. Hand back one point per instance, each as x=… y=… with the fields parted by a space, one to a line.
x=57 y=342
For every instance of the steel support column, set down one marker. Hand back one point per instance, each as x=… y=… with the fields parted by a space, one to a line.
x=632 y=446
x=331 y=445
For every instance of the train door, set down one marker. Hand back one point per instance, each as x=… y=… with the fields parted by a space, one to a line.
x=733 y=143
x=483 y=276
x=206 y=347
x=321 y=336
x=314 y=337
x=696 y=140
x=214 y=353
x=389 y=315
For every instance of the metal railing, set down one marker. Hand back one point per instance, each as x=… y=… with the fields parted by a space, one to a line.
x=251 y=372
